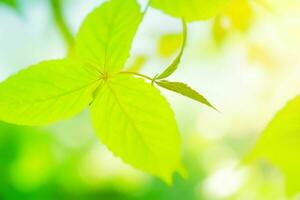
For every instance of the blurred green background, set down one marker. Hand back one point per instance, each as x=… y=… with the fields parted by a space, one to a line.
x=245 y=61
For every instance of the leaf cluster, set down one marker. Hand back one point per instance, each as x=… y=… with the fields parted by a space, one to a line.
x=142 y=134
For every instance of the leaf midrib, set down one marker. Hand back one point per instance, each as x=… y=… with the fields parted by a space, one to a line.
x=53 y=97
x=109 y=38
x=131 y=121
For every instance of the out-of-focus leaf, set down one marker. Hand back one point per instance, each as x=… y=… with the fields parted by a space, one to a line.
x=137 y=124
x=219 y=30
x=259 y=54
x=137 y=64
x=169 y=44
x=191 y=10
x=241 y=15
x=185 y=90
x=280 y=144
x=174 y=65
x=266 y=4
x=105 y=37
x=26 y=160
x=56 y=8
x=11 y=3
x=237 y=17
x=47 y=92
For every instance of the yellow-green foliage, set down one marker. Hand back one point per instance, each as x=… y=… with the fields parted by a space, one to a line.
x=191 y=10
x=137 y=124
x=280 y=144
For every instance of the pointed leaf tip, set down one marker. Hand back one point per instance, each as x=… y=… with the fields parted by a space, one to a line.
x=184 y=90
x=106 y=35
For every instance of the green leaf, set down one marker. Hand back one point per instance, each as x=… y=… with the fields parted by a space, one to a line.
x=137 y=124
x=104 y=40
x=11 y=3
x=191 y=10
x=172 y=68
x=185 y=90
x=47 y=92
x=280 y=144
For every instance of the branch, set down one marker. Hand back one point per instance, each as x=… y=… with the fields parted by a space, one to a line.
x=56 y=8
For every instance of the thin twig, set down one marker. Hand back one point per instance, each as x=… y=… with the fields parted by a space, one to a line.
x=137 y=74
x=56 y=9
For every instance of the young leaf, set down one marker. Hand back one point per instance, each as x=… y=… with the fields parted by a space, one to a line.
x=137 y=124
x=105 y=38
x=172 y=68
x=185 y=90
x=280 y=144
x=191 y=10
x=47 y=92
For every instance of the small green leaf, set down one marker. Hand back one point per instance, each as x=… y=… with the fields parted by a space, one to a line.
x=137 y=124
x=174 y=65
x=185 y=90
x=105 y=37
x=191 y=10
x=280 y=144
x=47 y=92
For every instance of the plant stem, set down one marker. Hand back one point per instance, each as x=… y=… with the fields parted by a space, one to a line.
x=146 y=8
x=56 y=8
x=138 y=74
